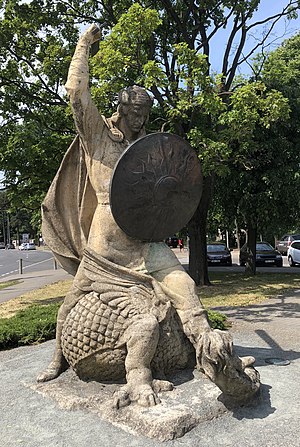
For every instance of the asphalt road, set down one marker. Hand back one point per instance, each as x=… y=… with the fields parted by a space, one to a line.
x=183 y=257
x=32 y=261
x=40 y=260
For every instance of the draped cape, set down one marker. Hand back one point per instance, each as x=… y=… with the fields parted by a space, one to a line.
x=68 y=209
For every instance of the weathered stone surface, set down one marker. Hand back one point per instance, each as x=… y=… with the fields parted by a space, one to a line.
x=133 y=312
x=193 y=400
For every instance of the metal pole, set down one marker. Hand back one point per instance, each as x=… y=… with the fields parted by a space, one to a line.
x=4 y=230
x=54 y=264
x=21 y=266
x=8 y=229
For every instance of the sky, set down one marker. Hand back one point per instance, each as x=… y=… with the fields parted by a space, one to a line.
x=283 y=30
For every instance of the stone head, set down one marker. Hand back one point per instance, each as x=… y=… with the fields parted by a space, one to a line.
x=134 y=107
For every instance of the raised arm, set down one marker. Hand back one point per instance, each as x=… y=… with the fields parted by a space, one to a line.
x=87 y=118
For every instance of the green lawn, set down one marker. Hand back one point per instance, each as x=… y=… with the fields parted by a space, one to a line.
x=5 y=284
x=237 y=289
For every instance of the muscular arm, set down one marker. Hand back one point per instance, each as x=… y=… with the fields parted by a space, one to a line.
x=87 y=118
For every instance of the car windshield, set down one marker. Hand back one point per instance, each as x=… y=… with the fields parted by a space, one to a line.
x=216 y=247
x=264 y=247
x=296 y=237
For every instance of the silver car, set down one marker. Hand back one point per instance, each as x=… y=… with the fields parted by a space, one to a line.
x=283 y=244
x=27 y=246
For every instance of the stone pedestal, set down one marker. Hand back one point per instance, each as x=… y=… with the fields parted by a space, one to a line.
x=193 y=400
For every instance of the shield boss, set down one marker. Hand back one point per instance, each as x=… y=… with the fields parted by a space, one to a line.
x=155 y=187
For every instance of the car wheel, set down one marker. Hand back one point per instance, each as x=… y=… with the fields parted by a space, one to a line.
x=279 y=264
x=242 y=263
x=291 y=261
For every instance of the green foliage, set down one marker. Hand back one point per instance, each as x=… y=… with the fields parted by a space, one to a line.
x=36 y=147
x=35 y=128
x=217 y=320
x=3 y=285
x=253 y=105
x=32 y=325
x=263 y=175
x=123 y=56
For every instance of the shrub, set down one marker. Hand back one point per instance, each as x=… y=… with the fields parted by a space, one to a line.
x=34 y=324
x=217 y=320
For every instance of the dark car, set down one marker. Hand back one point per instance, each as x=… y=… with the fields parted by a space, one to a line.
x=218 y=254
x=283 y=244
x=172 y=241
x=265 y=255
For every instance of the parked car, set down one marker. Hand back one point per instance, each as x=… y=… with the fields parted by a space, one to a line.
x=293 y=253
x=2 y=245
x=27 y=246
x=283 y=244
x=10 y=246
x=172 y=241
x=218 y=254
x=265 y=255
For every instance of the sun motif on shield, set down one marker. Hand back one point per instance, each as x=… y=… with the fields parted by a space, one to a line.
x=156 y=187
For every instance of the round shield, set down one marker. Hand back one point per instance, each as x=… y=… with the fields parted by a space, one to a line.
x=156 y=187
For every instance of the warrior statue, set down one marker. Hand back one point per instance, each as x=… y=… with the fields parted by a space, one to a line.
x=132 y=311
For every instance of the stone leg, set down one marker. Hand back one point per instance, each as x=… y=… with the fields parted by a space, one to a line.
x=141 y=342
x=58 y=363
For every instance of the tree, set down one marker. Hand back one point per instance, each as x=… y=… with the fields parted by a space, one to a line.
x=165 y=45
x=35 y=126
x=265 y=189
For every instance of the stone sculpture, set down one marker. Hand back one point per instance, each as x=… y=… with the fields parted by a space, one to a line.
x=132 y=310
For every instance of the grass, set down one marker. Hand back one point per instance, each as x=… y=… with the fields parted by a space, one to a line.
x=31 y=318
x=32 y=325
x=50 y=294
x=237 y=289
x=4 y=285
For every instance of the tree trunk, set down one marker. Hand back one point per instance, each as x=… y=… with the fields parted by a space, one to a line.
x=237 y=232
x=197 y=233
x=251 y=250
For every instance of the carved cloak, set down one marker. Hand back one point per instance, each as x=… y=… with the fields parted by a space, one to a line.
x=68 y=209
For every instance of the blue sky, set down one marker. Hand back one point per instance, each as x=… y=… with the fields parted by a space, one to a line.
x=283 y=30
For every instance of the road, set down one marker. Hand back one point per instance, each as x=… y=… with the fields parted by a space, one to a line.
x=32 y=261
x=39 y=260
x=183 y=257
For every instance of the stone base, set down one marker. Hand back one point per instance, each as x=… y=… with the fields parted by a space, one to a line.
x=194 y=399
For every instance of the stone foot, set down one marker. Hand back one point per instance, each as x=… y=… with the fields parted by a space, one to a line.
x=143 y=395
x=162 y=385
x=55 y=368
